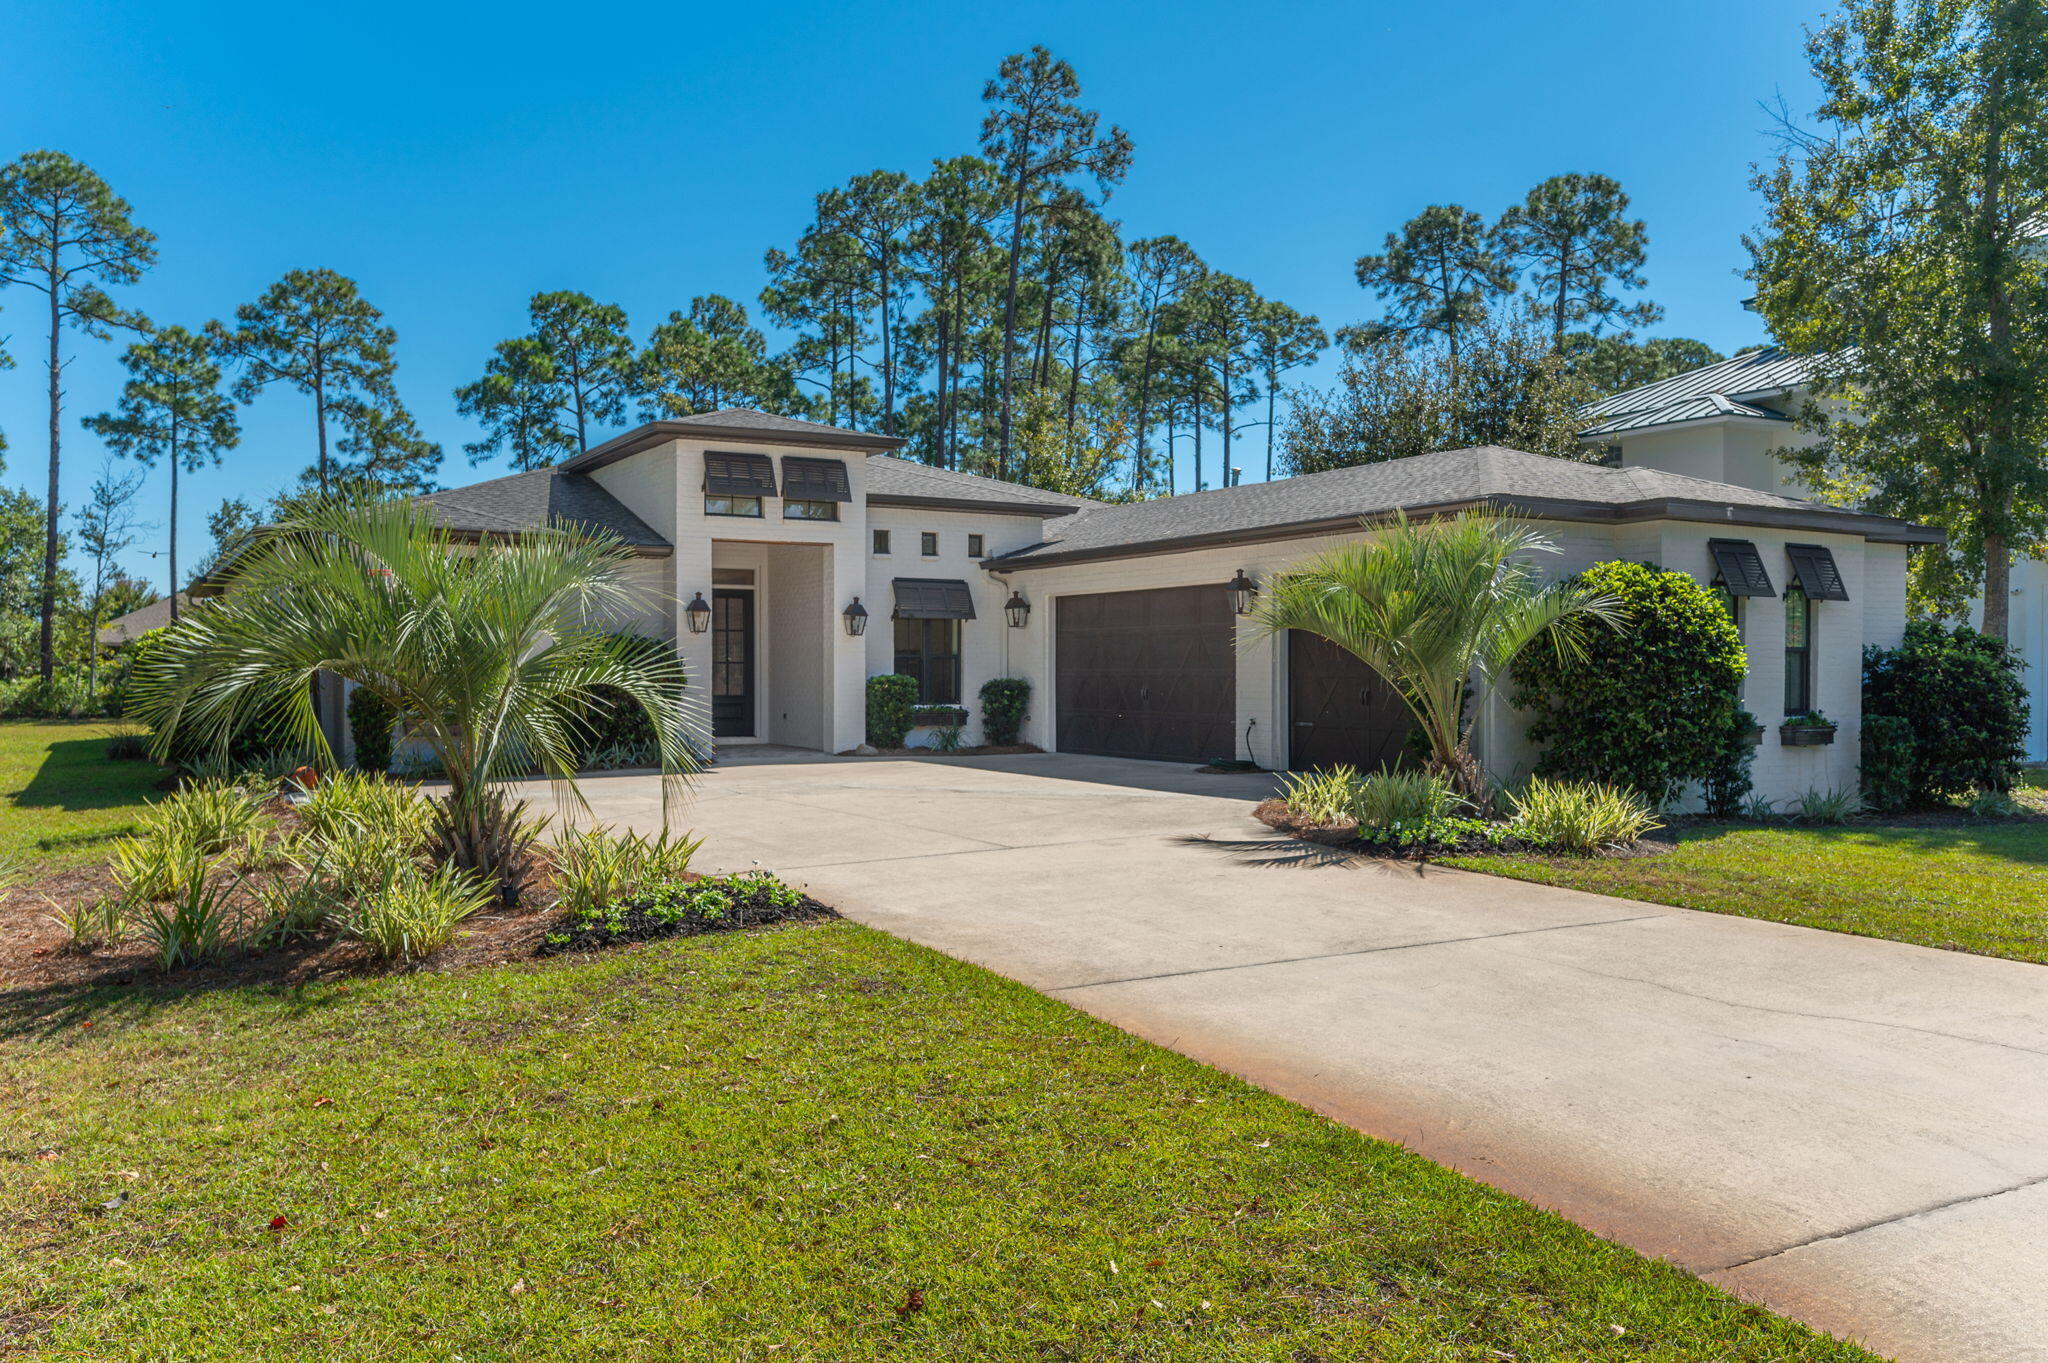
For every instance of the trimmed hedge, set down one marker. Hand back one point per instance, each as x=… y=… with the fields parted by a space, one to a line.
x=1960 y=693
x=1887 y=769
x=1650 y=706
x=1005 y=702
x=370 y=719
x=891 y=700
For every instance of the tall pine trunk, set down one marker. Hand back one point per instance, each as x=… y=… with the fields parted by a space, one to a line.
x=48 y=605
x=1010 y=327
x=174 y=520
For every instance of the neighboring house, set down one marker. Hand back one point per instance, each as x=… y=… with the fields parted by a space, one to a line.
x=1723 y=420
x=127 y=628
x=758 y=534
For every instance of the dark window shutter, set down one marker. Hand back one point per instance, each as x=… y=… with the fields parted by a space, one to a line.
x=738 y=475
x=815 y=480
x=1741 y=567
x=1813 y=568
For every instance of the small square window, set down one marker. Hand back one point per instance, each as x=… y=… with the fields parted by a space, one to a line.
x=974 y=543
x=881 y=541
x=928 y=544
x=722 y=505
x=801 y=509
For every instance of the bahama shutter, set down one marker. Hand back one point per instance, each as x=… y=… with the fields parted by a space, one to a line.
x=814 y=480
x=1813 y=568
x=738 y=475
x=933 y=598
x=1742 y=568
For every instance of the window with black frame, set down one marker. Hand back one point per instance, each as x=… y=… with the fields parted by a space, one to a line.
x=1730 y=602
x=1798 y=651
x=929 y=650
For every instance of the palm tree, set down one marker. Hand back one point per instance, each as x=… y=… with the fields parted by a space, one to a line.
x=1434 y=607
x=497 y=656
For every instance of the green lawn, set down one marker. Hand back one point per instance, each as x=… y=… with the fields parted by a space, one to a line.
x=1980 y=887
x=61 y=800
x=764 y=1146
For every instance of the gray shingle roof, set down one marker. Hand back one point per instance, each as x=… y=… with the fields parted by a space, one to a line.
x=904 y=481
x=1757 y=374
x=1685 y=409
x=740 y=424
x=530 y=501
x=1512 y=480
x=142 y=619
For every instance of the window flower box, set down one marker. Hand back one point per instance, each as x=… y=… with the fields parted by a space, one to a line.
x=1753 y=736
x=938 y=717
x=1807 y=731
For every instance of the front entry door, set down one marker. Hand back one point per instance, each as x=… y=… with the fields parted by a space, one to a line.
x=732 y=664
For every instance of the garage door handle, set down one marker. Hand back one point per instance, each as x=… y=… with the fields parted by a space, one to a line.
x=1143 y=692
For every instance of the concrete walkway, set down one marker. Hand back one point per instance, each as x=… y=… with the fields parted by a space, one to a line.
x=1854 y=1132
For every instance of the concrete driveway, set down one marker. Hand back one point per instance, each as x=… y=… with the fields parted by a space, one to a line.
x=1852 y=1131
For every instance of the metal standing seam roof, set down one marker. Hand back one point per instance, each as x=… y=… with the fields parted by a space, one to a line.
x=1686 y=409
x=1756 y=374
x=1514 y=481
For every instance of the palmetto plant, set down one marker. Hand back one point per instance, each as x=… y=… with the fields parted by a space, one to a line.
x=1435 y=607
x=492 y=655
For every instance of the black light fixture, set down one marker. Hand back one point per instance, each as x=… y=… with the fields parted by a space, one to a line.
x=1018 y=609
x=698 y=613
x=1242 y=590
x=856 y=617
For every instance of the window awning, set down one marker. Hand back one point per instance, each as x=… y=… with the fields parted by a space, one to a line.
x=933 y=598
x=739 y=475
x=814 y=480
x=1742 y=568
x=1813 y=568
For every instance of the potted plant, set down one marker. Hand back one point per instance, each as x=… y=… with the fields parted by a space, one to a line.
x=1810 y=730
x=1750 y=727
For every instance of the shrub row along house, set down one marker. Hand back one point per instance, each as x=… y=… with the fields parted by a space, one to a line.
x=791 y=561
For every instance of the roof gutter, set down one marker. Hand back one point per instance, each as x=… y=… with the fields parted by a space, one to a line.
x=991 y=508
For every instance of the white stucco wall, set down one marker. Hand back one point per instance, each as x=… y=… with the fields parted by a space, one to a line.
x=1875 y=610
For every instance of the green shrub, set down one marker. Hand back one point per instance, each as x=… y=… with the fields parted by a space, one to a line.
x=1005 y=704
x=1887 y=770
x=296 y=906
x=349 y=803
x=1648 y=706
x=155 y=867
x=596 y=867
x=1580 y=816
x=87 y=922
x=208 y=816
x=410 y=913
x=1961 y=693
x=1992 y=804
x=1384 y=802
x=370 y=721
x=190 y=929
x=675 y=908
x=64 y=696
x=891 y=700
x=1727 y=783
x=1827 y=806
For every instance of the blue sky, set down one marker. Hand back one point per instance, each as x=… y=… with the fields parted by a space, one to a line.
x=455 y=159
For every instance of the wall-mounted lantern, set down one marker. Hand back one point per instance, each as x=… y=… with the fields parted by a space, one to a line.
x=1242 y=591
x=1018 y=609
x=698 y=613
x=856 y=617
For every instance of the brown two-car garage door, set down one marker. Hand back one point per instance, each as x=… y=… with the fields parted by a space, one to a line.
x=1147 y=674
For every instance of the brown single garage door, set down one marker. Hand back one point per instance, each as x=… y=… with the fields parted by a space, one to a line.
x=1339 y=710
x=1147 y=674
